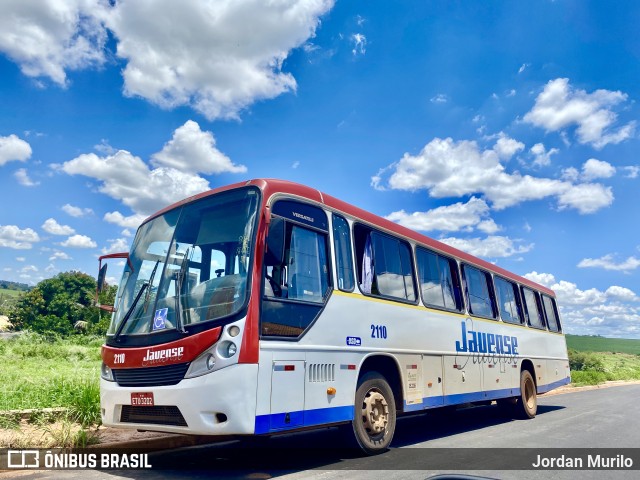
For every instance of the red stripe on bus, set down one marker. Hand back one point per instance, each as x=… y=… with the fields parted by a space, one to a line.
x=180 y=351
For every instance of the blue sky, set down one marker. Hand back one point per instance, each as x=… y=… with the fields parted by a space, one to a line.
x=506 y=129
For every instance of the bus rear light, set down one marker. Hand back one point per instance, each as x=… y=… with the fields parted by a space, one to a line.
x=233 y=331
x=211 y=361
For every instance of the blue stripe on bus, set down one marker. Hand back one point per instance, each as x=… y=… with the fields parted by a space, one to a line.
x=552 y=385
x=321 y=416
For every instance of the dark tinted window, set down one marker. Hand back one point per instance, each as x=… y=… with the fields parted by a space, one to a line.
x=508 y=301
x=342 y=246
x=531 y=308
x=438 y=277
x=478 y=292
x=552 y=314
x=385 y=266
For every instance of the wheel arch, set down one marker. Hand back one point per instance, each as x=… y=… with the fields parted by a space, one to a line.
x=388 y=367
x=528 y=365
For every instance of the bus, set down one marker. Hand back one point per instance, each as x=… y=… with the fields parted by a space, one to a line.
x=266 y=307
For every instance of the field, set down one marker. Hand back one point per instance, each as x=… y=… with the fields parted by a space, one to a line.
x=602 y=344
x=39 y=373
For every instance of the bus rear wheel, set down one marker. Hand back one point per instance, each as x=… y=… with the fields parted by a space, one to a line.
x=374 y=421
x=527 y=402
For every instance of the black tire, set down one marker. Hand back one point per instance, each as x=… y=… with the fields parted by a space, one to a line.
x=374 y=421
x=527 y=401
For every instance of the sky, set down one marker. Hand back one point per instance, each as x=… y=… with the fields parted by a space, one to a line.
x=506 y=129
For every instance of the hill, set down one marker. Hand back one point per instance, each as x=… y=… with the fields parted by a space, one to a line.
x=585 y=343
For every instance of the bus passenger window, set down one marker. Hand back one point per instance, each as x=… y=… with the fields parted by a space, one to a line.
x=532 y=311
x=552 y=315
x=344 y=259
x=478 y=292
x=508 y=300
x=386 y=266
x=439 y=282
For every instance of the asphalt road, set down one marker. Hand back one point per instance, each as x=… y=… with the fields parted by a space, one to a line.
x=424 y=446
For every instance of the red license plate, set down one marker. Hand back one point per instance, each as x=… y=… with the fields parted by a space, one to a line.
x=142 y=399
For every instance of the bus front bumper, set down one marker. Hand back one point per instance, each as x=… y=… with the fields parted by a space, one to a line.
x=219 y=403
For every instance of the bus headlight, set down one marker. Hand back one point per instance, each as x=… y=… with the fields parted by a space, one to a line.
x=227 y=349
x=106 y=373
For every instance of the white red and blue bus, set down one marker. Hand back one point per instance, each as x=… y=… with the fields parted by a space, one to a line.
x=267 y=307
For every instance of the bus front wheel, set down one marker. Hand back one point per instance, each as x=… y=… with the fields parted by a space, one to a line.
x=374 y=421
x=527 y=402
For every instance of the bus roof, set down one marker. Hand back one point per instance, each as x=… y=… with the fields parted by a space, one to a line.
x=270 y=187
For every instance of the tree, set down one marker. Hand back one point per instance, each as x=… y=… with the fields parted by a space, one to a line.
x=57 y=304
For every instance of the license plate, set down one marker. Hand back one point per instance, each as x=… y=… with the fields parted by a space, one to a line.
x=142 y=399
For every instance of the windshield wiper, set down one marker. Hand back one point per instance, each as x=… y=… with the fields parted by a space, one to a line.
x=180 y=276
x=150 y=282
x=127 y=315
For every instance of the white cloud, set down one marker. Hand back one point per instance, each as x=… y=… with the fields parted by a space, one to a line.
x=632 y=171
x=129 y=179
x=117 y=245
x=608 y=263
x=58 y=255
x=359 y=44
x=76 y=211
x=20 y=259
x=132 y=221
x=218 y=57
x=12 y=236
x=439 y=98
x=560 y=106
x=79 y=241
x=622 y=293
x=53 y=227
x=451 y=218
x=493 y=246
x=13 y=148
x=594 y=168
x=507 y=147
x=23 y=178
x=46 y=38
x=191 y=151
x=126 y=232
x=453 y=169
x=542 y=156
x=524 y=67
x=586 y=198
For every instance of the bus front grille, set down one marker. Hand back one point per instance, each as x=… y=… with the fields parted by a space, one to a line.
x=156 y=415
x=150 y=377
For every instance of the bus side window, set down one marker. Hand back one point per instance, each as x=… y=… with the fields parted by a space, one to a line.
x=508 y=301
x=551 y=312
x=344 y=258
x=386 y=268
x=531 y=308
x=479 y=293
x=439 y=282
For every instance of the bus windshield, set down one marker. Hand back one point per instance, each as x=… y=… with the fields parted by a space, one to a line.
x=193 y=260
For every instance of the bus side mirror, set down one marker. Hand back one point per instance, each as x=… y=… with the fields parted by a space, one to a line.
x=274 y=254
x=101 y=276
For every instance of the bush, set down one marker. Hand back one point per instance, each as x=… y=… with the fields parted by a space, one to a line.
x=588 y=377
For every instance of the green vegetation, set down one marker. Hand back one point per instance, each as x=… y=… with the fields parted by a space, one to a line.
x=47 y=372
x=601 y=344
x=62 y=305
x=592 y=368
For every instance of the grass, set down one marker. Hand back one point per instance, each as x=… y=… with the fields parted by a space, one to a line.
x=40 y=372
x=583 y=343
